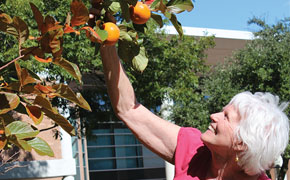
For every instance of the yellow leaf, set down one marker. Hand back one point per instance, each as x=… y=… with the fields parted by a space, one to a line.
x=35 y=114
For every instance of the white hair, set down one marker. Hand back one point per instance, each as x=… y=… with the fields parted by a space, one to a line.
x=264 y=129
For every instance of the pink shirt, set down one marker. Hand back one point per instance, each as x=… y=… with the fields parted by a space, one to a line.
x=192 y=157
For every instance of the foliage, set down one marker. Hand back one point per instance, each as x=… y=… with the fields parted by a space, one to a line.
x=263 y=65
x=186 y=92
x=43 y=40
x=173 y=71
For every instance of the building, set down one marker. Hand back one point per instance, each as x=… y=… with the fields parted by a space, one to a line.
x=113 y=152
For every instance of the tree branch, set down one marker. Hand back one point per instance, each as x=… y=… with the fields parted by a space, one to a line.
x=11 y=62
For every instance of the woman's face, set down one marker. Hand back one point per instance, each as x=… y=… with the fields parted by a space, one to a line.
x=219 y=137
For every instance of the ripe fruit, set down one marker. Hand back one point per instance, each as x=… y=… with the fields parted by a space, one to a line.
x=140 y=13
x=113 y=33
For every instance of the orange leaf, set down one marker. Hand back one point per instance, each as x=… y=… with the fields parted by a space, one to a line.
x=69 y=29
x=51 y=95
x=49 y=22
x=47 y=60
x=5 y=18
x=3 y=84
x=26 y=78
x=32 y=38
x=26 y=52
x=9 y=101
x=91 y=34
x=56 y=41
x=38 y=52
x=23 y=75
x=80 y=13
x=54 y=27
x=35 y=114
x=37 y=16
x=3 y=141
x=18 y=70
x=44 y=89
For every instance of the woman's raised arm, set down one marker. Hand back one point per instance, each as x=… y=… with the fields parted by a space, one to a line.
x=159 y=135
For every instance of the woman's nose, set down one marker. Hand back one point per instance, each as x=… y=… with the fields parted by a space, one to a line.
x=216 y=116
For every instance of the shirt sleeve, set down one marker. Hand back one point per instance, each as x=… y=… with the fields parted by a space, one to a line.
x=263 y=177
x=188 y=141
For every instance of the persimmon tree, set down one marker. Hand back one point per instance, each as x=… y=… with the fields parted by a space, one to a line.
x=23 y=92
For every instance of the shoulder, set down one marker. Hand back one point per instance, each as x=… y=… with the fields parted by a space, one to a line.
x=188 y=141
x=191 y=155
x=189 y=136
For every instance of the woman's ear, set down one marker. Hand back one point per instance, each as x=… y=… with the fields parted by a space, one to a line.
x=240 y=146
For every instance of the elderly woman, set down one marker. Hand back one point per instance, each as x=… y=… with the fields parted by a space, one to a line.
x=241 y=142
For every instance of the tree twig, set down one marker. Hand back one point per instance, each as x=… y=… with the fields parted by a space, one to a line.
x=45 y=129
x=11 y=62
x=10 y=158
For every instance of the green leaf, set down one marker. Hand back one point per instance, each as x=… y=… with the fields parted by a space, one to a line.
x=102 y=33
x=8 y=101
x=167 y=14
x=140 y=61
x=176 y=24
x=159 y=5
x=127 y=50
x=178 y=6
x=23 y=144
x=158 y=19
x=154 y=4
x=41 y=147
x=127 y=33
x=20 y=129
x=125 y=36
x=115 y=7
x=140 y=27
x=69 y=67
x=60 y=120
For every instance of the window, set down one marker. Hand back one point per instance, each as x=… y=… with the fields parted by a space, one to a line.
x=114 y=149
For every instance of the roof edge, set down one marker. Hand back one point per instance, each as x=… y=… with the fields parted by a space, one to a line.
x=218 y=33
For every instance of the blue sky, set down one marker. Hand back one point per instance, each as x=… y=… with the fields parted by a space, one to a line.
x=234 y=14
